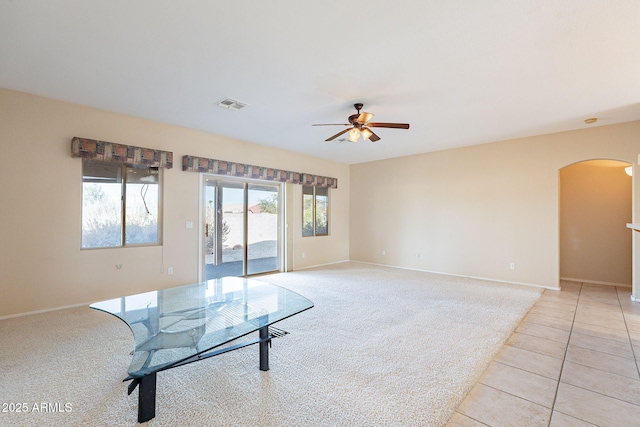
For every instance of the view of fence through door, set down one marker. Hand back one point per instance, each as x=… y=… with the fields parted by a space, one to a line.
x=240 y=233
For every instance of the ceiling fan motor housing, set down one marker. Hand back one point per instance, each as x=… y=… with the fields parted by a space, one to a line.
x=353 y=118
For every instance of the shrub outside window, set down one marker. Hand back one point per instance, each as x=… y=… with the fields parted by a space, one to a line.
x=120 y=205
x=315 y=211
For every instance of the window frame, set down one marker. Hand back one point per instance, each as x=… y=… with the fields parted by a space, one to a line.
x=314 y=212
x=123 y=173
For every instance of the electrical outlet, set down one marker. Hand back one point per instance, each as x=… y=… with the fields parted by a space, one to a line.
x=303 y=254
x=384 y=252
x=512 y=266
x=170 y=270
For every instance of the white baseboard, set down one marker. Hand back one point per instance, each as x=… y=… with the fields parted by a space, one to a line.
x=320 y=265
x=489 y=279
x=28 y=313
x=596 y=282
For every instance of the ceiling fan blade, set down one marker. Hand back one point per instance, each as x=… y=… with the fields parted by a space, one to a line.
x=332 y=124
x=337 y=135
x=373 y=137
x=363 y=118
x=389 y=125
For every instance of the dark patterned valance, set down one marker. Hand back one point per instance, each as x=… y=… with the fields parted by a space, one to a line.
x=222 y=167
x=110 y=151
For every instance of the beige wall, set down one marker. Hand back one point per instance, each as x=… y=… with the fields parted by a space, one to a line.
x=595 y=207
x=41 y=264
x=473 y=211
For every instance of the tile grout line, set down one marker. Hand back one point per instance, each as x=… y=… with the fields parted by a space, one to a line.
x=598 y=393
x=526 y=370
x=520 y=369
x=579 y=419
x=555 y=397
x=588 y=348
x=603 y=352
x=624 y=318
x=602 y=370
x=557 y=319
x=542 y=324
x=544 y=338
x=514 y=395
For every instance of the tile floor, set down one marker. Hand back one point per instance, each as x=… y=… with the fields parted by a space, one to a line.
x=573 y=361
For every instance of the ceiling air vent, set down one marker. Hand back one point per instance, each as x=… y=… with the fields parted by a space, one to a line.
x=231 y=104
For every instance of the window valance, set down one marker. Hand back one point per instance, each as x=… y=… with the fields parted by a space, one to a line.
x=222 y=167
x=129 y=154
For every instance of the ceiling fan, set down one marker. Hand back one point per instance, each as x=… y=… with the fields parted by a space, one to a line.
x=360 y=125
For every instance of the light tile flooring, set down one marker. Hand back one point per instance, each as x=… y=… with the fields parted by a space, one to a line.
x=573 y=361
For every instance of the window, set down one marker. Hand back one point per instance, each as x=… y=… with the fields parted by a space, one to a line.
x=120 y=205
x=315 y=211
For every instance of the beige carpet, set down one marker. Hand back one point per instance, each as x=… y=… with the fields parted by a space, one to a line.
x=382 y=347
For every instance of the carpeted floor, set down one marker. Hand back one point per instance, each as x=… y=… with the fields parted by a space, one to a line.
x=381 y=347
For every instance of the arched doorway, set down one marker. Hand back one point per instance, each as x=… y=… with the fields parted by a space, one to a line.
x=595 y=206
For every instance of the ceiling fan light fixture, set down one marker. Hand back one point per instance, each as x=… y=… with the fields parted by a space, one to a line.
x=365 y=117
x=366 y=134
x=354 y=134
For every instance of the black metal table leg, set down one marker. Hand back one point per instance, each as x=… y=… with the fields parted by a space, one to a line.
x=264 y=348
x=147 y=398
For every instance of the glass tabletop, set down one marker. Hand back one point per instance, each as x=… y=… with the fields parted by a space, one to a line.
x=175 y=324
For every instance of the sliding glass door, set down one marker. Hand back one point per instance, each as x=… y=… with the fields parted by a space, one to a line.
x=262 y=228
x=241 y=230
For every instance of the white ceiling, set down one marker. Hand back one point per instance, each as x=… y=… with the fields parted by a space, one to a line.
x=461 y=72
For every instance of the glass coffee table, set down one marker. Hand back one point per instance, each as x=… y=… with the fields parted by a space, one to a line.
x=176 y=326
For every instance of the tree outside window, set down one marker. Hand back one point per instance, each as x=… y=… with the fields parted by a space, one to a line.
x=315 y=211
